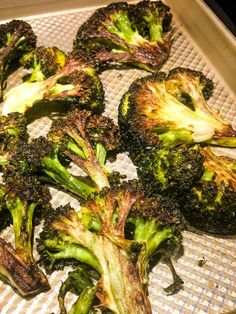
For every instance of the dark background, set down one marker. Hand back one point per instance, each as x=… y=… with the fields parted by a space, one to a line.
x=225 y=10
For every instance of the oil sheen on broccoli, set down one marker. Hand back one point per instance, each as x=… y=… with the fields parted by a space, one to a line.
x=16 y=38
x=76 y=84
x=138 y=35
x=169 y=110
x=95 y=236
x=210 y=205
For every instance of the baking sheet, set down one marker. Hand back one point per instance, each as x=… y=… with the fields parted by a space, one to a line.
x=208 y=289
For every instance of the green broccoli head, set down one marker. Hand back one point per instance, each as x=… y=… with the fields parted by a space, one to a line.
x=210 y=205
x=172 y=170
x=121 y=34
x=74 y=85
x=45 y=62
x=16 y=38
x=169 y=110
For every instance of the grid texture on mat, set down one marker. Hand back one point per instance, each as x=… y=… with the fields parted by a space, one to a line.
x=208 y=289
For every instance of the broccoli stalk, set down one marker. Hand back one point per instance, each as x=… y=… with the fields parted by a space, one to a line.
x=16 y=38
x=102 y=236
x=169 y=110
x=137 y=35
x=24 y=195
x=15 y=271
x=75 y=84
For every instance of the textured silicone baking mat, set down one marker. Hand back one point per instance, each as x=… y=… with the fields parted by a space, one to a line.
x=208 y=289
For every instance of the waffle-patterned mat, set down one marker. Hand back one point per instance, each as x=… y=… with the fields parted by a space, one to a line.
x=208 y=289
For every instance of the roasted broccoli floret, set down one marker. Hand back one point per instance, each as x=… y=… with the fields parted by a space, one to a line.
x=86 y=139
x=24 y=197
x=16 y=272
x=210 y=205
x=121 y=34
x=80 y=282
x=172 y=170
x=96 y=236
x=45 y=62
x=155 y=223
x=16 y=38
x=169 y=110
x=13 y=132
x=74 y=85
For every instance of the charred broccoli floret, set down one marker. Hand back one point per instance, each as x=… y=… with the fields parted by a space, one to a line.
x=155 y=223
x=118 y=248
x=95 y=236
x=210 y=205
x=86 y=139
x=45 y=62
x=80 y=282
x=172 y=170
x=137 y=35
x=13 y=131
x=16 y=38
x=169 y=110
x=74 y=85
x=24 y=197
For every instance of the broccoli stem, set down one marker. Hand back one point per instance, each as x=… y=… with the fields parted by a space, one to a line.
x=74 y=251
x=62 y=177
x=23 y=227
x=84 y=302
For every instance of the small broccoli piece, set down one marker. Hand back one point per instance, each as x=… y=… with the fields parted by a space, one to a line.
x=121 y=34
x=86 y=139
x=155 y=223
x=16 y=38
x=169 y=110
x=24 y=196
x=80 y=283
x=74 y=85
x=173 y=170
x=13 y=132
x=95 y=236
x=210 y=205
x=16 y=272
x=45 y=62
